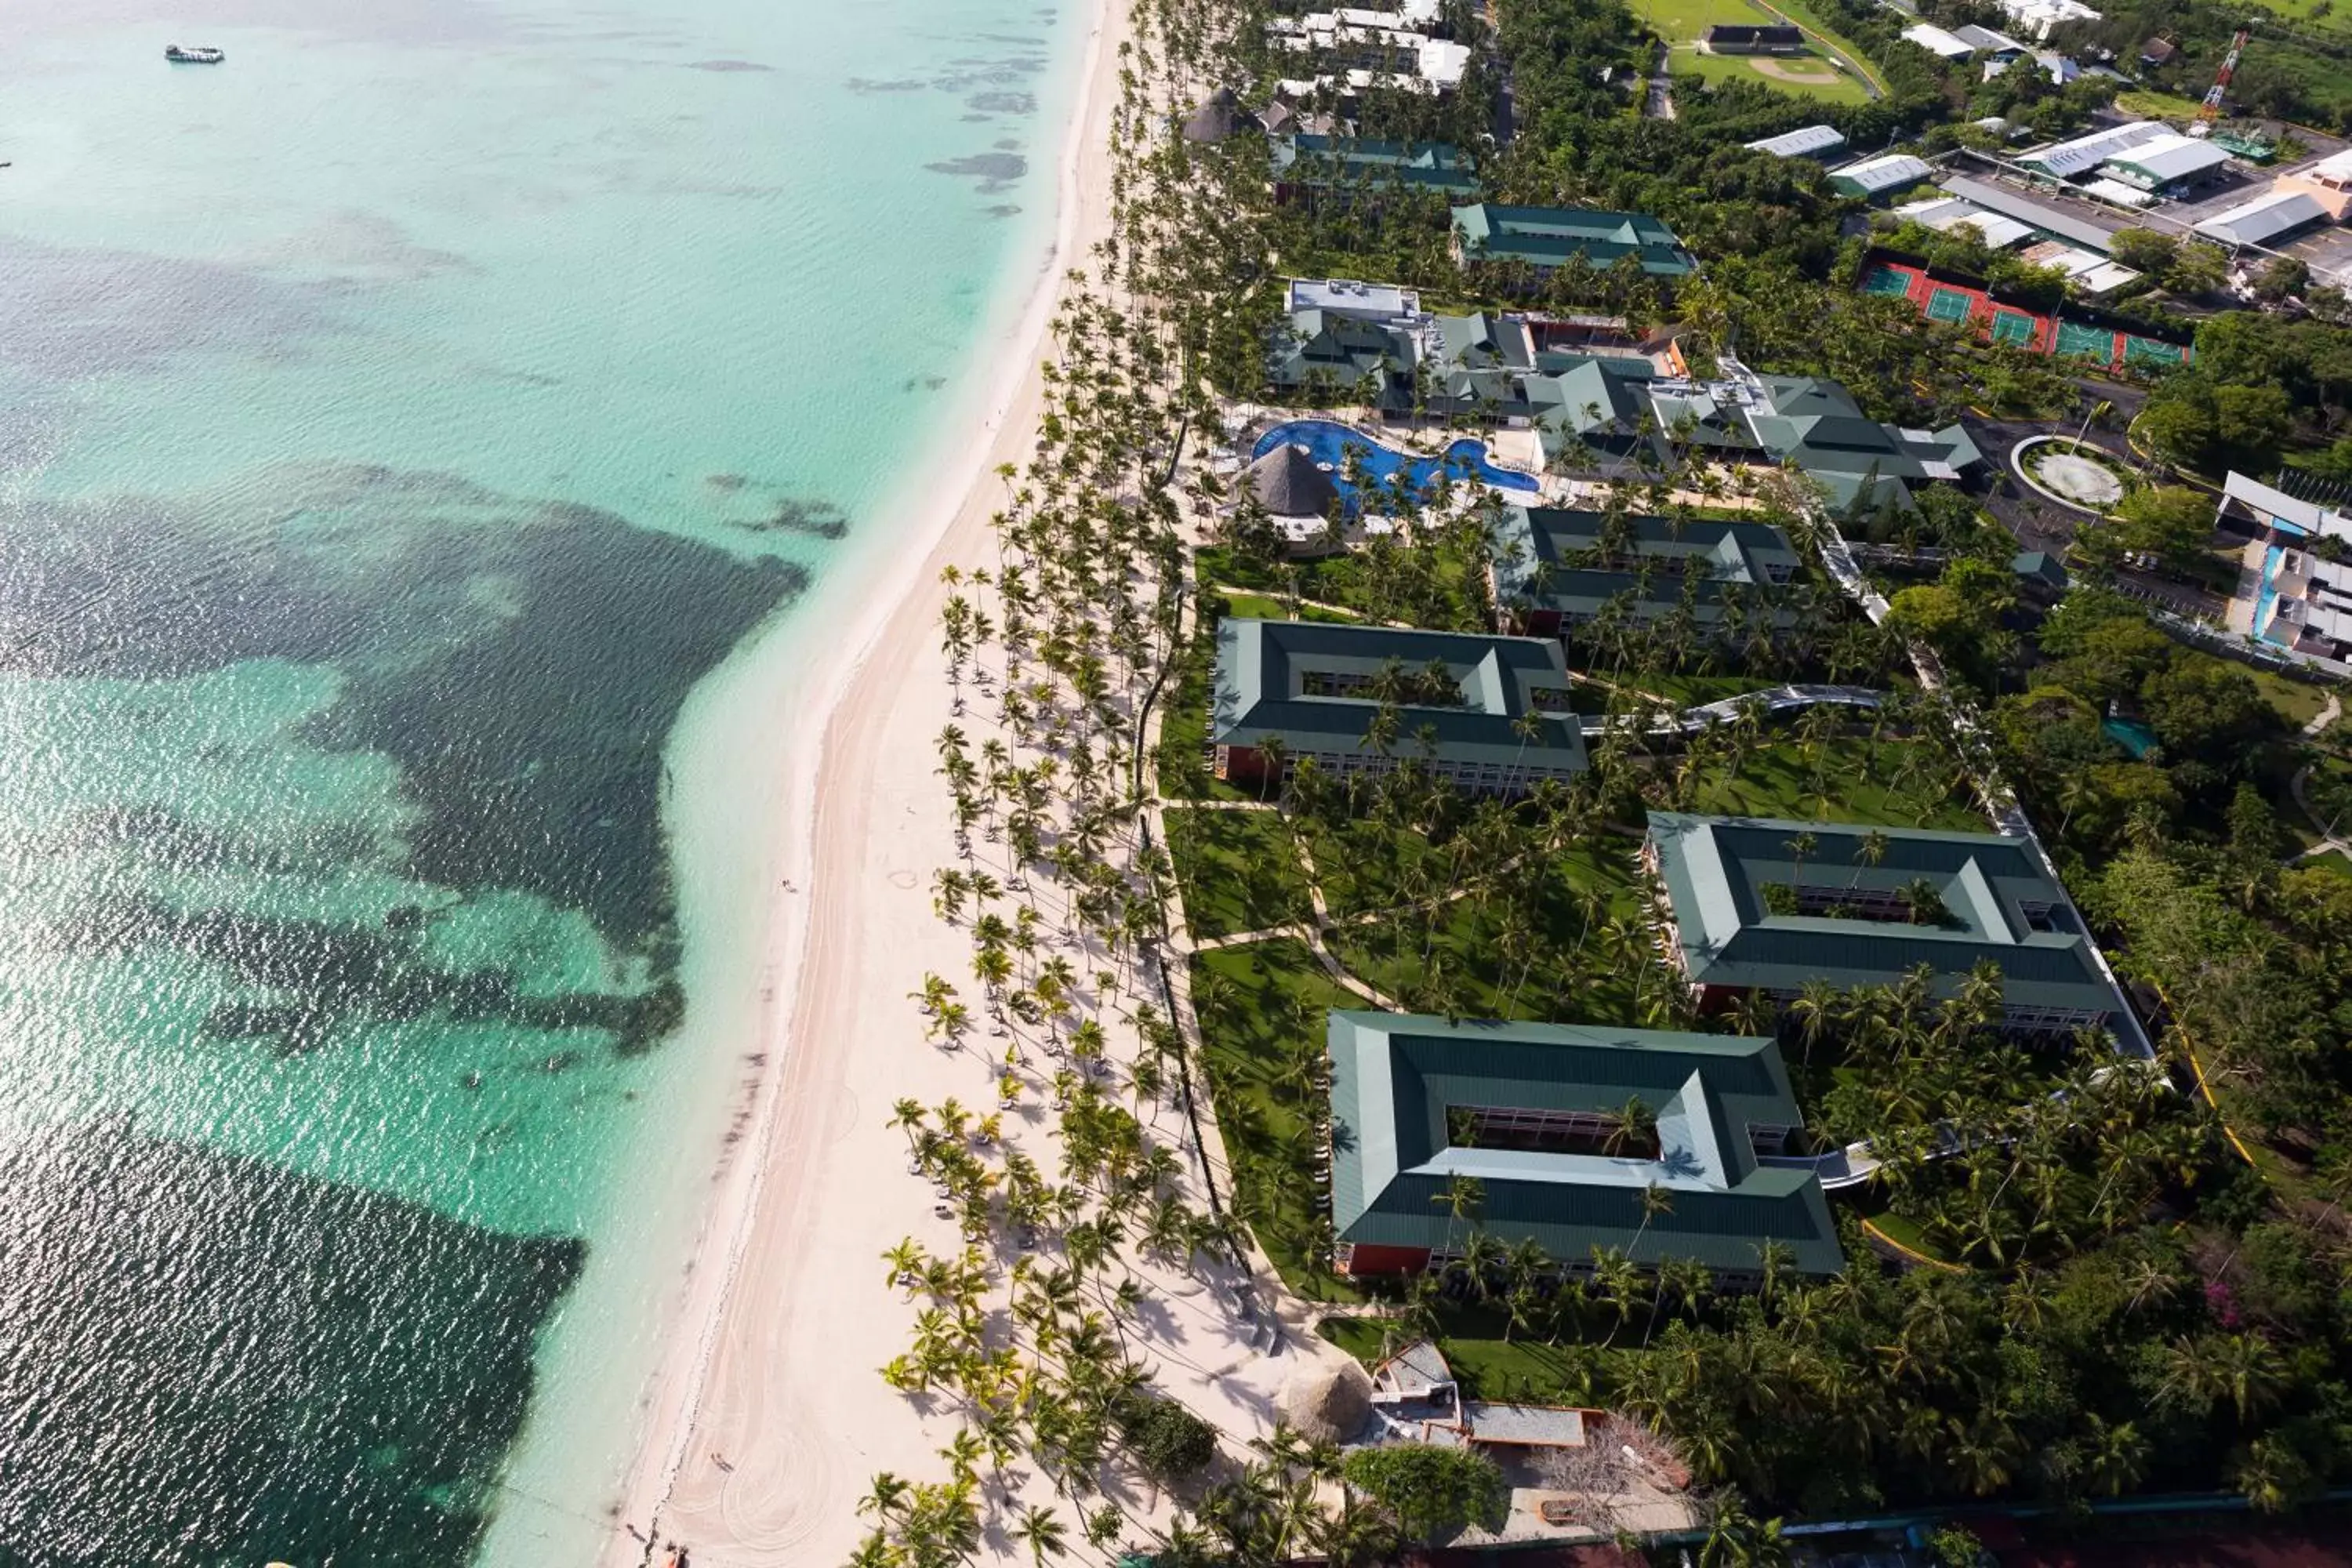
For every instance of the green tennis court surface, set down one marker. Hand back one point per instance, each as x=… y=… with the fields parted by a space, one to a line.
x=2148 y=350
x=1885 y=280
x=1949 y=305
x=2008 y=327
x=2087 y=342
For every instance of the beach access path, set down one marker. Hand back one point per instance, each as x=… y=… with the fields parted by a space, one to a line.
x=769 y=1417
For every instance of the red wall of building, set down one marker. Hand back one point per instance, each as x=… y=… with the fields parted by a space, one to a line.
x=1365 y=1260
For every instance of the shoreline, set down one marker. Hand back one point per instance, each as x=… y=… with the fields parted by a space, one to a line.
x=749 y=1221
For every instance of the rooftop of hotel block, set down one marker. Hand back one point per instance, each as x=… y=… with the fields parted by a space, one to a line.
x=2001 y=904
x=1265 y=670
x=1396 y=1076
x=1544 y=559
x=1547 y=236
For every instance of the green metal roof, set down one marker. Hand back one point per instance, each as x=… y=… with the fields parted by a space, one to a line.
x=1395 y=1075
x=1262 y=666
x=1304 y=160
x=1547 y=237
x=1993 y=887
x=1531 y=548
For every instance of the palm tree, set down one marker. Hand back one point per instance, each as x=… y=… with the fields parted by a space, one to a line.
x=1800 y=846
x=1463 y=1197
x=1633 y=1128
x=1042 y=1532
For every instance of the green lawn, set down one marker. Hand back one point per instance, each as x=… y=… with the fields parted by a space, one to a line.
x=1569 y=972
x=2298 y=702
x=1262 y=1010
x=1766 y=71
x=1487 y=1367
x=1238 y=870
x=1848 y=780
x=1691 y=691
x=1432 y=586
x=2334 y=863
x=2152 y=105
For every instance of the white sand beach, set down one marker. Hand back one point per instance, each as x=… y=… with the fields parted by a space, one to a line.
x=769 y=1418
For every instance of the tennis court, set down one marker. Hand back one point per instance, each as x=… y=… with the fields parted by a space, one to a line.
x=1950 y=305
x=1886 y=281
x=2086 y=342
x=2008 y=327
x=2148 y=350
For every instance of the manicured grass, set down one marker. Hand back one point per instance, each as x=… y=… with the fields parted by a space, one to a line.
x=1758 y=70
x=1237 y=870
x=1847 y=780
x=1258 y=607
x=1262 y=1010
x=1570 y=972
x=1906 y=1232
x=2296 y=701
x=1487 y=1367
x=1691 y=691
x=1427 y=585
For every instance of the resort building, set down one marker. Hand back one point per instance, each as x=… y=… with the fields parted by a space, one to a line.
x=1552 y=569
x=1807 y=141
x=1741 y=38
x=2080 y=155
x=1816 y=426
x=2289 y=596
x=2327 y=182
x=1348 y=342
x=1488 y=713
x=1321 y=171
x=1876 y=177
x=2035 y=18
x=1387 y=48
x=1533 y=1113
x=1762 y=905
x=1545 y=237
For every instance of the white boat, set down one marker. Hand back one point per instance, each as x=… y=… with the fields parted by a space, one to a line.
x=194 y=54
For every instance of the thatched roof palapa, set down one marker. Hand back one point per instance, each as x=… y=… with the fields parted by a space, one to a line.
x=1288 y=483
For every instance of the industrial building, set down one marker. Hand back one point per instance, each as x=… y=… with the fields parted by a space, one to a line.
x=1808 y=142
x=1534 y=1114
x=2278 y=214
x=2166 y=165
x=1876 y=177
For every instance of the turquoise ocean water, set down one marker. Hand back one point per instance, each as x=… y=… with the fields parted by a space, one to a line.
x=426 y=442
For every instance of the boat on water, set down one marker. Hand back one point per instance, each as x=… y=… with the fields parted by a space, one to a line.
x=194 y=54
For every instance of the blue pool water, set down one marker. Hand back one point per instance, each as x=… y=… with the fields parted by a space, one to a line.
x=2271 y=559
x=1329 y=442
x=2131 y=734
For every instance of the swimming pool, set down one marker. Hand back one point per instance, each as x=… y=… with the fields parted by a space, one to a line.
x=2263 y=602
x=1329 y=442
x=2131 y=734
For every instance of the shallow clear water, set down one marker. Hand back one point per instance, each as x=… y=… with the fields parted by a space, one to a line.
x=403 y=426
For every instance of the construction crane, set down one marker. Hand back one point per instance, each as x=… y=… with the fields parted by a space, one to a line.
x=2210 y=109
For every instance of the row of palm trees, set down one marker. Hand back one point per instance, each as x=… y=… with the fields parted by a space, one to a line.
x=1077 y=1188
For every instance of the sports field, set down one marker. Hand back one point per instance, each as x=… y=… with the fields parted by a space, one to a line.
x=1812 y=74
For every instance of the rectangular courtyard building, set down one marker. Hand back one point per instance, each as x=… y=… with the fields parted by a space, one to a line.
x=1531 y=1113
x=1553 y=568
x=1495 y=708
x=1760 y=904
x=1545 y=237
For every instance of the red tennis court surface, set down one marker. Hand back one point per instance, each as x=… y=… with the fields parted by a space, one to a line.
x=1956 y=303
